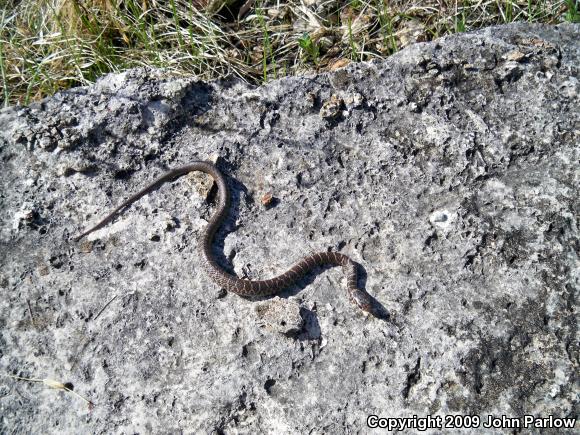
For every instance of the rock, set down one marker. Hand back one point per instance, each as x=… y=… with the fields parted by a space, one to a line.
x=332 y=108
x=451 y=177
x=267 y=199
x=281 y=315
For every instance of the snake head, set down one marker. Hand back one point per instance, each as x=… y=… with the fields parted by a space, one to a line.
x=366 y=303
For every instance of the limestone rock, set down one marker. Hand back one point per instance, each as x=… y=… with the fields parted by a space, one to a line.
x=451 y=177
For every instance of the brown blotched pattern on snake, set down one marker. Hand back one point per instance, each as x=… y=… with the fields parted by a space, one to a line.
x=230 y=282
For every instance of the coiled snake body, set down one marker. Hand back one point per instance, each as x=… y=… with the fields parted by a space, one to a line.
x=230 y=282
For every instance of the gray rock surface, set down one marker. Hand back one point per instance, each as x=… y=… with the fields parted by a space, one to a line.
x=448 y=171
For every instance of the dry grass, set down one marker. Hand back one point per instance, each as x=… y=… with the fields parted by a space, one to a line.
x=47 y=45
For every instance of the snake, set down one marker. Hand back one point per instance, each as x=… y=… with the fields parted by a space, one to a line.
x=230 y=282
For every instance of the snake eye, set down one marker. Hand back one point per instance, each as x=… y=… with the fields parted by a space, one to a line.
x=362 y=300
x=365 y=303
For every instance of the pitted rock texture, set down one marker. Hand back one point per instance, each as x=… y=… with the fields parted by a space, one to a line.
x=449 y=171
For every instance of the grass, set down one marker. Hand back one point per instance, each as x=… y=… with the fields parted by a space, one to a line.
x=310 y=48
x=389 y=41
x=51 y=383
x=573 y=12
x=268 y=61
x=48 y=45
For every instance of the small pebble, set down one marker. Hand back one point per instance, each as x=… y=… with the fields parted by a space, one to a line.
x=267 y=199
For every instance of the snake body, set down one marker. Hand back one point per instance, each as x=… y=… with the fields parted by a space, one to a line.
x=232 y=283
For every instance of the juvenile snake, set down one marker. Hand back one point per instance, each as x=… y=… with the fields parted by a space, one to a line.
x=230 y=282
